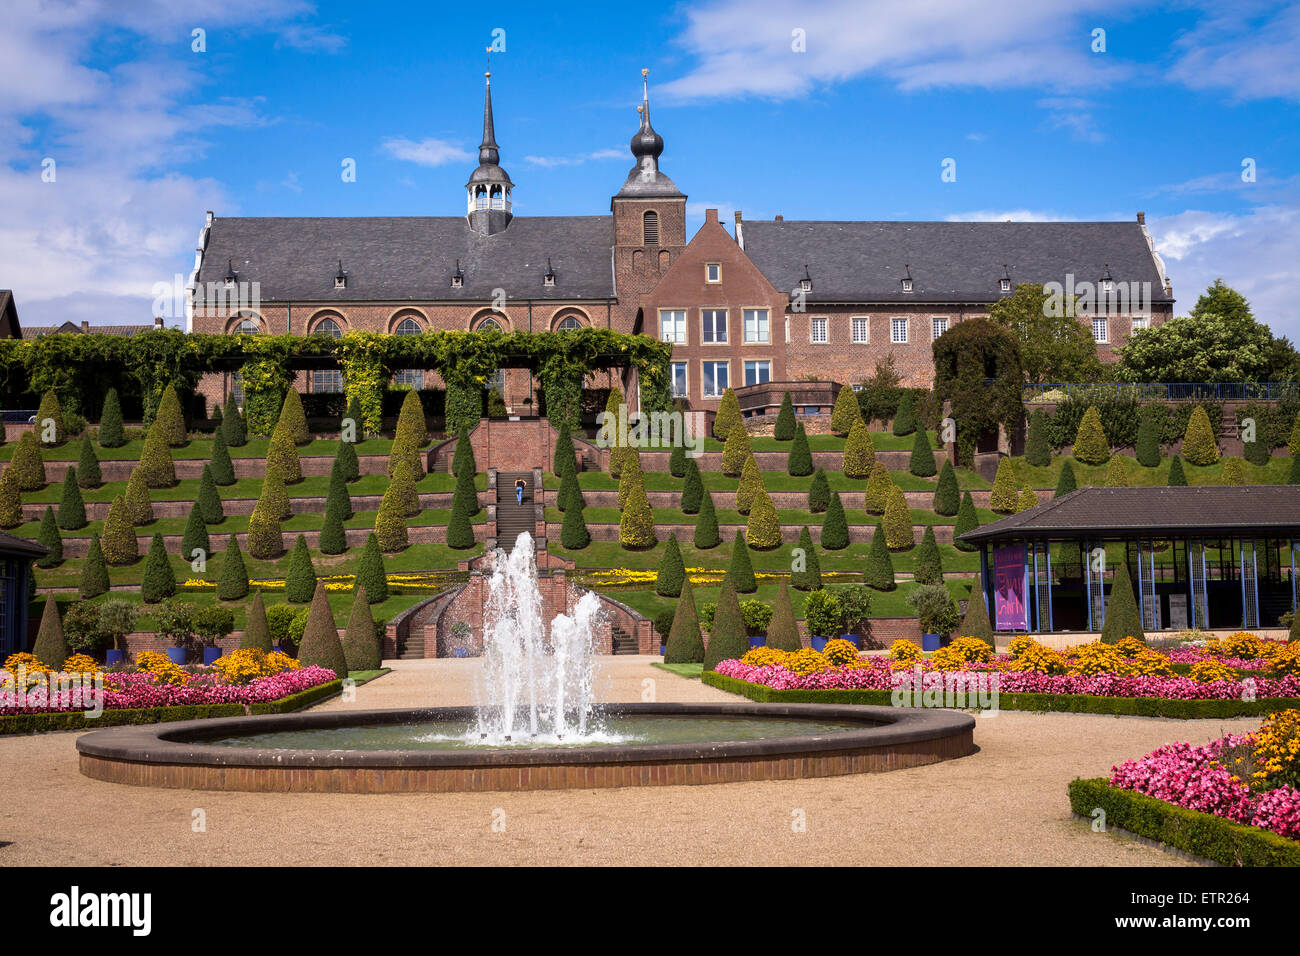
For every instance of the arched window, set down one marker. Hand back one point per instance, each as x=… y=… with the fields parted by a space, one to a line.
x=489 y=325
x=567 y=324
x=249 y=327
x=650 y=228
x=411 y=377
x=328 y=327
x=407 y=326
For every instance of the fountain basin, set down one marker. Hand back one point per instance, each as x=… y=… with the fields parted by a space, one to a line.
x=186 y=755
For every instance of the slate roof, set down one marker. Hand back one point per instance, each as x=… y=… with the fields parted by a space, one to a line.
x=35 y=331
x=1209 y=510
x=21 y=547
x=412 y=258
x=949 y=261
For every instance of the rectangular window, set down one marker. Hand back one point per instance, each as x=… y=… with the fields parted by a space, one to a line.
x=756 y=326
x=713 y=326
x=679 y=380
x=1141 y=322
x=938 y=327
x=237 y=387
x=1100 y=330
x=758 y=373
x=410 y=377
x=898 y=331
x=672 y=326
x=861 y=329
x=713 y=272
x=819 y=331
x=327 y=380
x=716 y=379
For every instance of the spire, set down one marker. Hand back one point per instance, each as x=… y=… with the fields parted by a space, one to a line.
x=647 y=146
x=489 y=186
x=488 y=151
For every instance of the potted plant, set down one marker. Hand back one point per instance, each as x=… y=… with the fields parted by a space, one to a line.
x=855 y=602
x=460 y=635
x=118 y=619
x=936 y=613
x=756 y=616
x=663 y=627
x=824 y=615
x=174 y=620
x=278 y=617
x=211 y=624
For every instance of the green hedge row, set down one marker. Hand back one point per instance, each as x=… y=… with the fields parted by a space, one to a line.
x=1200 y=834
x=1041 y=703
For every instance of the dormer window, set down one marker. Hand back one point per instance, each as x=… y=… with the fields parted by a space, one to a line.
x=1107 y=282
x=713 y=272
x=458 y=277
x=805 y=284
x=340 y=277
x=230 y=272
x=548 y=279
x=1005 y=282
x=907 y=278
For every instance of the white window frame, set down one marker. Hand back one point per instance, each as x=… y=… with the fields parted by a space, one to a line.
x=713 y=272
x=1138 y=323
x=726 y=322
x=705 y=378
x=410 y=377
x=865 y=338
x=934 y=326
x=756 y=363
x=766 y=328
x=686 y=379
x=893 y=330
x=678 y=336
x=1105 y=330
x=331 y=372
x=813 y=324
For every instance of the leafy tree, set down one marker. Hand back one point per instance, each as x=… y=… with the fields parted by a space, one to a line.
x=1199 y=446
x=232 y=582
x=361 y=640
x=338 y=495
x=408 y=499
x=1293 y=443
x=50 y=537
x=320 y=640
x=898 y=522
x=809 y=578
x=631 y=476
x=1234 y=471
x=370 y=572
x=728 y=416
x=209 y=501
x=819 y=492
x=574 y=535
x=72 y=510
x=94 y=573
x=88 y=473
x=300 y=576
x=51 y=649
x=1177 y=478
x=735 y=451
x=879 y=486
x=234 y=429
x=294 y=420
x=170 y=419
x=684 y=644
x=1006 y=491
x=159 y=580
x=728 y=639
x=784 y=429
x=1066 y=483
x=463 y=459
x=859 y=452
x=265 y=539
x=921 y=463
x=977 y=371
x=976 y=623
x=333 y=536
x=751 y=483
x=636 y=526
x=11 y=499
x=799 y=461
x=282 y=455
x=741 y=571
x=390 y=524
x=119 y=534
x=929 y=563
x=947 y=496
x=1038 y=450
x=878 y=572
x=1122 y=617
x=1054 y=345
x=706 y=525
x=223 y=469
x=1027 y=499
x=677 y=461
x=905 y=418
x=345 y=460
x=1116 y=475
x=672 y=570
x=845 y=412
x=460 y=530
x=196 y=533
x=1147 y=451
x=28 y=464
x=51 y=411
x=764 y=526
x=273 y=495
x=835 y=527
x=111 y=433
x=257 y=631
x=692 y=488
x=1090 y=444
x=783 y=632
x=967 y=520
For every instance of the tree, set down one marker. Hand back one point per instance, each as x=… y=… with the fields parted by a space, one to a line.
x=563 y=450
x=741 y=571
x=736 y=451
x=878 y=571
x=294 y=420
x=265 y=539
x=1090 y=444
x=370 y=572
x=1234 y=471
x=408 y=499
x=898 y=522
x=282 y=454
x=859 y=452
x=460 y=530
x=353 y=414
x=1257 y=452
x=119 y=534
x=574 y=535
x=72 y=510
x=905 y=417
x=1122 y=617
x=1293 y=442
x=156 y=465
x=977 y=372
x=835 y=527
x=929 y=563
x=50 y=537
x=1293 y=477
x=463 y=459
x=274 y=496
x=390 y=524
x=333 y=536
x=1066 y=483
x=338 y=495
x=706 y=525
x=819 y=492
x=976 y=624
x=170 y=419
x=28 y=464
x=728 y=416
x=799 y=461
x=1038 y=449
x=672 y=571
x=209 y=501
x=223 y=469
x=232 y=583
x=50 y=413
x=751 y=483
x=233 y=426
x=300 y=576
x=257 y=632
x=728 y=639
x=51 y=649
x=361 y=640
x=636 y=526
x=610 y=427
x=196 y=533
x=783 y=632
x=1054 y=345
x=947 y=496
x=1006 y=491
x=11 y=499
x=1028 y=498
x=879 y=486
x=320 y=640
x=784 y=429
x=921 y=463
x=111 y=433
x=1177 y=479
x=807 y=575
x=159 y=580
x=1147 y=450
x=845 y=412
x=94 y=573
x=684 y=644
x=345 y=460
x=764 y=526
x=692 y=488
x=1199 y=446
x=1116 y=475
x=88 y=473
x=631 y=476
x=570 y=492
x=967 y=520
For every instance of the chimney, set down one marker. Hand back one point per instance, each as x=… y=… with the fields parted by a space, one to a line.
x=1142 y=219
x=778 y=218
x=85 y=325
x=740 y=232
x=157 y=322
x=711 y=216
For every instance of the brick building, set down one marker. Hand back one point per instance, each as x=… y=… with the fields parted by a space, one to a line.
x=777 y=301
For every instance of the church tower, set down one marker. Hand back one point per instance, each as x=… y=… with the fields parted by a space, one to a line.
x=488 y=189
x=649 y=221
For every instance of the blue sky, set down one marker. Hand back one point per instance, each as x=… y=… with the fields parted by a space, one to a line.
x=146 y=133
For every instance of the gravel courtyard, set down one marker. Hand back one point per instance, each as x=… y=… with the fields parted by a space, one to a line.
x=1005 y=805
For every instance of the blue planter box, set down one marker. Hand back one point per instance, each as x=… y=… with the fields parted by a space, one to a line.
x=851 y=638
x=930 y=642
x=210 y=654
x=114 y=657
x=818 y=643
x=178 y=655
x=459 y=652
x=758 y=640
x=663 y=649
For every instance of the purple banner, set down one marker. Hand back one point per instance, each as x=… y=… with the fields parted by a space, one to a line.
x=1009 y=610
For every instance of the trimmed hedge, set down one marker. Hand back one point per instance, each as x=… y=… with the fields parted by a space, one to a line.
x=706 y=525
x=692 y=488
x=156 y=458
x=878 y=488
x=684 y=644
x=672 y=570
x=232 y=583
x=300 y=576
x=223 y=469
x=947 y=495
x=88 y=473
x=72 y=508
x=1005 y=496
x=728 y=416
x=751 y=482
x=574 y=535
x=764 y=526
x=810 y=578
x=799 y=461
x=94 y=573
x=898 y=522
x=784 y=429
x=736 y=451
x=1038 y=449
x=370 y=572
x=835 y=527
x=921 y=463
x=859 y=453
x=159 y=580
x=138 y=505
x=845 y=412
x=1199 y=445
x=1090 y=444
x=1067 y=482
x=741 y=570
x=819 y=493
x=118 y=541
x=111 y=433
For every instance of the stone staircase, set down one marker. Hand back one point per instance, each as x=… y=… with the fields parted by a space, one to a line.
x=623 y=642
x=411 y=647
x=514 y=518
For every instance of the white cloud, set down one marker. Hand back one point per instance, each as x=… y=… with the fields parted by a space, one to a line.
x=1008 y=215
x=550 y=162
x=1248 y=48
x=424 y=152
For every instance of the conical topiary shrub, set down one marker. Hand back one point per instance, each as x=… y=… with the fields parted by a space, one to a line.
x=631 y=476
x=232 y=582
x=947 y=496
x=741 y=571
x=88 y=472
x=1234 y=471
x=677 y=461
x=159 y=580
x=799 y=461
x=51 y=649
x=1177 y=477
x=27 y=463
x=751 y=483
x=274 y=496
x=806 y=569
x=463 y=459
x=257 y=631
x=333 y=536
x=345 y=460
x=111 y=433
x=819 y=493
x=1006 y=490
x=1116 y=475
x=209 y=500
x=353 y=422
x=905 y=417
x=361 y=640
x=728 y=639
x=11 y=499
x=878 y=488
x=49 y=420
x=320 y=640
x=1090 y=444
x=118 y=539
x=265 y=539
x=563 y=450
x=784 y=429
x=763 y=530
x=706 y=525
x=338 y=495
x=574 y=535
x=672 y=571
x=967 y=520
x=929 y=564
x=1066 y=483
x=170 y=418
x=156 y=459
x=411 y=434
x=736 y=451
x=859 y=452
x=835 y=527
x=223 y=469
x=728 y=416
x=390 y=525
x=845 y=412
x=138 y=505
x=636 y=526
x=300 y=575
x=782 y=631
x=408 y=499
x=1199 y=445
x=898 y=522
x=1147 y=451
x=282 y=456
x=1257 y=452
x=878 y=572
x=94 y=572
x=692 y=488
x=1038 y=450
x=72 y=509
x=196 y=535
x=370 y=573
x=1027 y=499
x=294 y=420
x=570 y=493
x=921 y=463
x=49 y=537
x=976 y=623
x=460 y=530
x=610 y=427
x=684 y=644
x=1122 y=617
x=233 y=427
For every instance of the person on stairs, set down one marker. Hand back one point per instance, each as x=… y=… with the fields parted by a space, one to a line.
x=519 y=490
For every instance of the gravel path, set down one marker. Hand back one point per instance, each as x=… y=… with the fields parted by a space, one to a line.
x=1005 y=805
